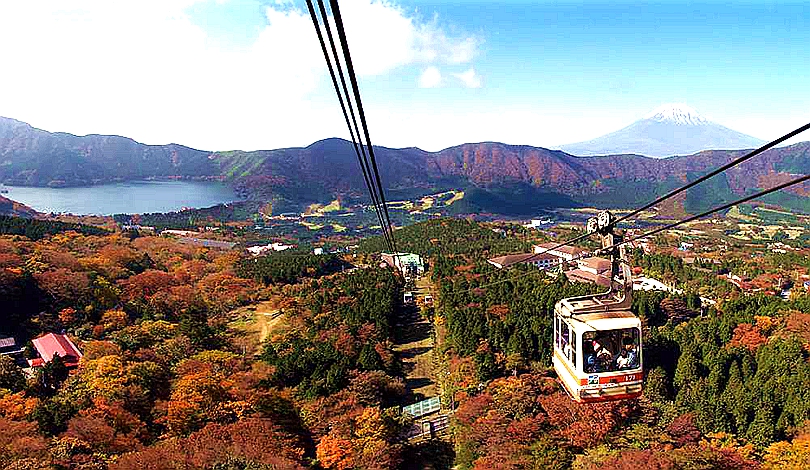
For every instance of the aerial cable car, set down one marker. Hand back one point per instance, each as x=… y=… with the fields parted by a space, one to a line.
x=597 y=339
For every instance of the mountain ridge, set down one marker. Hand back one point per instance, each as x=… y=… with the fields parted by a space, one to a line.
x=618 y=180
x=530 y=177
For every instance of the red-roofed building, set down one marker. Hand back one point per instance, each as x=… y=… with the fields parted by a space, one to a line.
x=52 y=344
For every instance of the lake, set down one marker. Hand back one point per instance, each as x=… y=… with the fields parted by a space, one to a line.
x=134 y=197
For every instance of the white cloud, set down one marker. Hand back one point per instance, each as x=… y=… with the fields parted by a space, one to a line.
x=430 y=78
x=383 y=36
x=435 y=45
x=470 y=79
x=144 y=69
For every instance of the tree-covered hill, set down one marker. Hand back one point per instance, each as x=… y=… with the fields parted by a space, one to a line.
x=165 y=380
x=9 y=207
x=37 y=229
x=447 y=236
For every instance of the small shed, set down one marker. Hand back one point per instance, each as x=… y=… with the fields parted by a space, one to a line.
x=53 y=344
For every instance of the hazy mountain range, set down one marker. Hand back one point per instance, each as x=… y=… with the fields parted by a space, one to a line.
x=33 y=157
x=497 y=178
x=672 y=129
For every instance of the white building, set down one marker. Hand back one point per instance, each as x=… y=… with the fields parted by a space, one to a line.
x=261 y=249
x=139 y=228
x=535 y=223
x=648 y=283
x=686 y=246
x=408 y=263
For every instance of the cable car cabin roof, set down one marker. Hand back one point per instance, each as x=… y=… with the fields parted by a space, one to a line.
x=602 y=321
x=612 y=320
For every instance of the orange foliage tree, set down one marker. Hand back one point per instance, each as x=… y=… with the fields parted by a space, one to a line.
x=250 y=443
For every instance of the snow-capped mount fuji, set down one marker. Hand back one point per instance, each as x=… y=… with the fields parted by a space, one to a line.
x=677 y=113
x=671 y=129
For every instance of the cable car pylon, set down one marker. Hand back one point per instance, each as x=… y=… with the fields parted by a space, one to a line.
x=597 y=338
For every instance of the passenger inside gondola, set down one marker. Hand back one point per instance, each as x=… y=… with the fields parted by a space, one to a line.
x=628 y=358
x=599 y=347
x=597 y=358
x=603 y=355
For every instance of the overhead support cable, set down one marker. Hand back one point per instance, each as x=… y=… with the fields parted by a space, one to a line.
x=359 y=149
x=779 y=187
x=364 y=160
x=353 y=79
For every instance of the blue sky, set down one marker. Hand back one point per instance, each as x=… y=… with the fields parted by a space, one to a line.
x=222 y=74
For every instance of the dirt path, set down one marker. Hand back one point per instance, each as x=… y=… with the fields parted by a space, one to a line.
x=414 y=344
x=254 y=324
x=267 y=321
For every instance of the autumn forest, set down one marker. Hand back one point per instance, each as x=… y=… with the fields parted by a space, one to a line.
x=173 y=377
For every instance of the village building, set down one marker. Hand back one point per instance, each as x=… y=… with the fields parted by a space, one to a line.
x=262 y=249
x=594 y=270
x=52 y=344
x=208 y=243
x=139 y=228
x=578 y=275
x=567 y=253
x=684 y=246
x=535 y=223
x=648 y=284
x=179 y=233
x=408 y=263
x=594 y=265
x=541 y=261
x=9 y=346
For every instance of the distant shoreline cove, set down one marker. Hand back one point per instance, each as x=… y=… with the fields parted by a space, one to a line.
x=129 y=197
